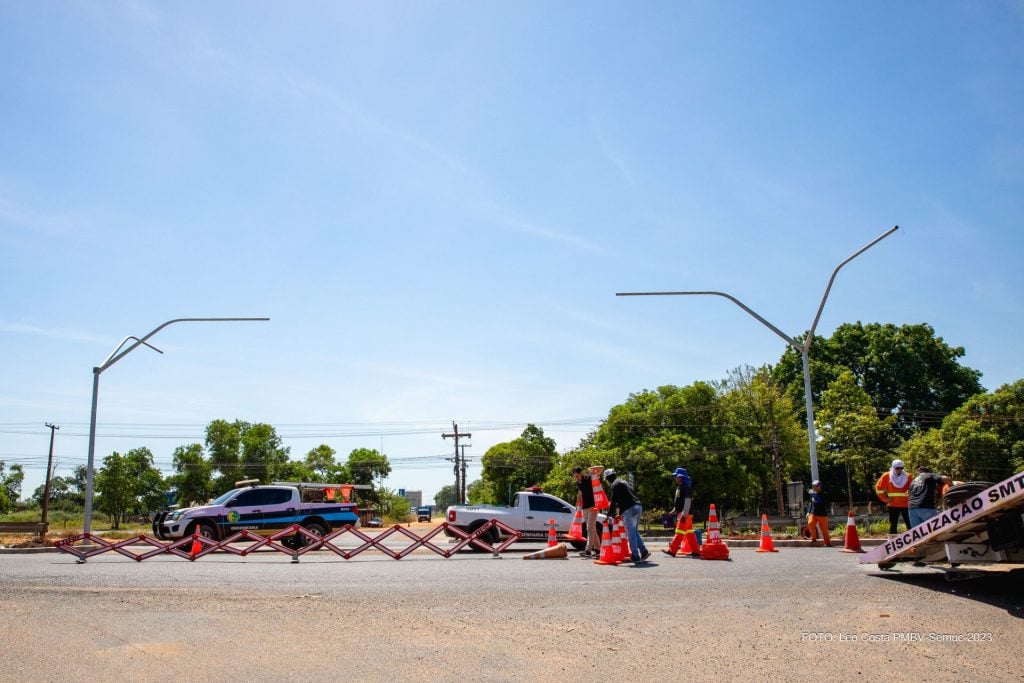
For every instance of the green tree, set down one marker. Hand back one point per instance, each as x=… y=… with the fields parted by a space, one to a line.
x=654 y=432
x=10 y=485
x=445 y=497
x=77 y=484
x=148 y=487
x=393 y=506
x=239 y=450
x=113 y=484
x=983 y=440
x=128 y=483
x=906 y=370
x=366 y=466
x=479 y=492
x=263 y=456
x=294 y=470
x=5 y=500
x=320 y=461
x=224 y=448
x=516 y=464
x=770 y=441
x=62 y=494
x=853 y=433
x=192 y=475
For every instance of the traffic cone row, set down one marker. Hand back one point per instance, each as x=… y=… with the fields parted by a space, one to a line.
x=767 y=545
x=714 y=548
x=851 y=542
x=552 y=535
x=576 y=528
x=608 y=553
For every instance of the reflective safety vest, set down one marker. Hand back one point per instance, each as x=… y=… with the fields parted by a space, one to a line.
x=887 y=492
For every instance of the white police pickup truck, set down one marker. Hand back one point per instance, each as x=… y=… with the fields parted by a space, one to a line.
x=262 y=510
x=529 y=514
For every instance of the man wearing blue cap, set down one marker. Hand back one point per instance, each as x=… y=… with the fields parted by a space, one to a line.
x=681 y=505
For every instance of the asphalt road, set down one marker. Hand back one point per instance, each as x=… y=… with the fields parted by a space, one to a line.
x=798 y=615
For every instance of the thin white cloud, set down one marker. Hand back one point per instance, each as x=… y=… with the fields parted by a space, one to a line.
x=613 y=157
x=416 y=375
x=67 y=335
x=17 y=215
x=552 y=235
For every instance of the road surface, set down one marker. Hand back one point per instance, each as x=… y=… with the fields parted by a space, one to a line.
x=797 y=615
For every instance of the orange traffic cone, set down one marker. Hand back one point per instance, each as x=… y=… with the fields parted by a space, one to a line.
x=619 y=542
x=714 y=548
x=690 y=546
x=851 y=543
x=767 y=545
x=607 y=553
x=600 y=499
x=552 y=536
x=197 y=547
x=576 y=528
x=553 y=552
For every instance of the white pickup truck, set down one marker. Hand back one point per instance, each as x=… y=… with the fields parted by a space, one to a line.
x=529 y=514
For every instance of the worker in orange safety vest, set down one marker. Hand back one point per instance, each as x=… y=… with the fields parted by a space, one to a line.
x=893 y=489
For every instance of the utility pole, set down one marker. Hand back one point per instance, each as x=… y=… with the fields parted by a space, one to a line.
x=465 y=483
x=776 y=458
x=460 y=497
x=803 y=348
x=49 y=471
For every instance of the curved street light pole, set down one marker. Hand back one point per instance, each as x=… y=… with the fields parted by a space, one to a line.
x=802 y=348
x=116 y=355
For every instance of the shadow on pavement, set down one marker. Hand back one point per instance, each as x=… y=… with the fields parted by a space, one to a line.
x=1005 y=591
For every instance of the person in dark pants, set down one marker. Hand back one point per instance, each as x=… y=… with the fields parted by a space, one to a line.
x=681 y=508
x=893 y=489
x=585 y=501
x=922 y=494
x=819 y=515
x=622 y=499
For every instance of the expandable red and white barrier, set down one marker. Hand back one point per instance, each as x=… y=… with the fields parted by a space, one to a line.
x=195 y=546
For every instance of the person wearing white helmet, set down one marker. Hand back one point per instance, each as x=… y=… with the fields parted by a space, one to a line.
x=893 y=489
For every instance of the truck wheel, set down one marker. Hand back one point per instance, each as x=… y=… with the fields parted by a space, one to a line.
x=490 y=537
x=315 y=528
x=207 y=530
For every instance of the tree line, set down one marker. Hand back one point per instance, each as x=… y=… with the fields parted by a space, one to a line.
x=882 y=391
x=129 y=484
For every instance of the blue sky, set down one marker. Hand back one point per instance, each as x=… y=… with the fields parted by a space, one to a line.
x=436 y=202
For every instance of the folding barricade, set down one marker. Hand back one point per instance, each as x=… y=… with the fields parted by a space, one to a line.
x=195 y=546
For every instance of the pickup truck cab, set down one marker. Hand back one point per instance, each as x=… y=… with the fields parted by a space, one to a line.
x=263 y=510
x=529 y=515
